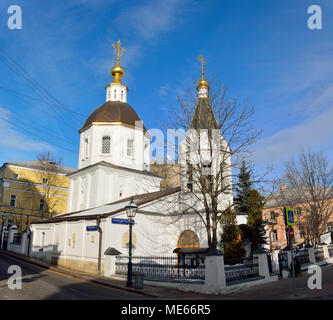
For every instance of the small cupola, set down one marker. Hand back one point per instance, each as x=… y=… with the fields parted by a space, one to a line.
x=116 y=90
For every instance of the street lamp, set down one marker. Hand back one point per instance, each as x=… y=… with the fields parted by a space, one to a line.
x=131 y=211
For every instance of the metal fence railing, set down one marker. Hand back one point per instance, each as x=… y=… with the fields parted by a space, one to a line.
x=319 y=254
x=162 y=267
x=303 y=257
x=240 y=268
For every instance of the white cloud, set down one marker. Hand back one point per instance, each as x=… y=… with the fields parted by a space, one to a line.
x=314 y=132
x=152 y=18
x=15 y=140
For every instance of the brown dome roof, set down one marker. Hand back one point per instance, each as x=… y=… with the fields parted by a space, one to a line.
x=113 y=111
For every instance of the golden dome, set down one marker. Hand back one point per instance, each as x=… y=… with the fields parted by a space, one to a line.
x=117 y=72
x=202 y=83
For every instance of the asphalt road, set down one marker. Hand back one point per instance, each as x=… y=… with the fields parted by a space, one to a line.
x=41 y=284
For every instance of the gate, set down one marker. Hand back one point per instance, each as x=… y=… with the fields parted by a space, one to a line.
x=283 y=261
x=269 y=261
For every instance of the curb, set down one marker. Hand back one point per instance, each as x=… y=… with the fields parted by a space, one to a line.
x=79 y=277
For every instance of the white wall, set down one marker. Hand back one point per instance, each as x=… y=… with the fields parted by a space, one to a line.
x=118 y=155
x=155 y=235
x=101 y=184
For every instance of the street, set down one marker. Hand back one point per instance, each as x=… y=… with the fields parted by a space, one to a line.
x=40 y=284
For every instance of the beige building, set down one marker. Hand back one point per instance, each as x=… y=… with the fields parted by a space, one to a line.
x=31 y=190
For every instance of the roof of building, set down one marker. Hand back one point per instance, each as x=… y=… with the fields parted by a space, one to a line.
x=109 y=209
x=113 y=112
x=289 y=197
x=204 y=117
x=107 y=164
x=38 y=166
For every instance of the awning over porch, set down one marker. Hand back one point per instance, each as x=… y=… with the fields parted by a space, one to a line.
x=191 y=250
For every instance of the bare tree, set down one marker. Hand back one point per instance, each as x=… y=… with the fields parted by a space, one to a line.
x=49 y=178
x=310 y=179
x=223 y=132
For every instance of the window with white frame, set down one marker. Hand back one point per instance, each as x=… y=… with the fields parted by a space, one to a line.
x=45 y=181
x=16 y=176
x=106 y=145
x=115 y=94
x=274 y=235
x=12 y=200
x=130 y=147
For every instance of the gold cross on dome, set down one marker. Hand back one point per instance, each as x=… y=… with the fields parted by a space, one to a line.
x=118 y=50
x=201 y=59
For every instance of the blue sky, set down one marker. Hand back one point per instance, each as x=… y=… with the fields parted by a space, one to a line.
x=262 y=50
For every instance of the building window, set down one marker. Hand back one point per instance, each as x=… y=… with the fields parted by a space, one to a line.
x=274 y=235
x=329 y=226
x=42 y=242
x=45 y=181
x=13 y=200
x=301 y=232
x=272 y=215
x=86 y=148
x=16 y=176
x=106 y=145
x=299 y=211
x=42 y=204
x=115 y=94
x=130 y=147
x=122 y=95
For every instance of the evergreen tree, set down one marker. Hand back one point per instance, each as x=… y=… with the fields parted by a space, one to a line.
x=249 y=202
x=230 y=238
x=255 y=221
x=243 y=190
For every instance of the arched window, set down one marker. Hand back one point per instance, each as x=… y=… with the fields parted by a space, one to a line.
x=106 y=145
x=86 y=148
x=115 y=94
x=188 y=239
x=122 y=95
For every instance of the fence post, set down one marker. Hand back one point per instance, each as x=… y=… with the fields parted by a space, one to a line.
x=110 y=261
x=325 y=250
x=214 y=271
x=261 y=254
x=312 y=257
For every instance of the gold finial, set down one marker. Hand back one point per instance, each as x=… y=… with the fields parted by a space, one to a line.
x=118 y=50
x=117 y=71
x=202 y=82
x=201 y=59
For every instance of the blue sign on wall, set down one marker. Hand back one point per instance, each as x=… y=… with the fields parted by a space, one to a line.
x=92 y=228
x=121 y=221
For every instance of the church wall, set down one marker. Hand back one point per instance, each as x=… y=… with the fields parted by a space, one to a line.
x=100 y=185
x=76 y=248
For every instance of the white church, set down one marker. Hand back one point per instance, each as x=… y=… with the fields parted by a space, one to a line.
x=113 y=168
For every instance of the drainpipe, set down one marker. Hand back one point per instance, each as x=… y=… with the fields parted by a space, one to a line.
x=99 y=244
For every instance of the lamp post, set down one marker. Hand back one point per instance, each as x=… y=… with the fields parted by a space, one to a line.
x=131 y=212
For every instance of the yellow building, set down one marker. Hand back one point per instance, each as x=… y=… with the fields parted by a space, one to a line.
x=31 y=190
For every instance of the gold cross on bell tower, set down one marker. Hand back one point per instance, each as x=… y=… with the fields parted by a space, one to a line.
x=201 y=59
x=118 y=50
